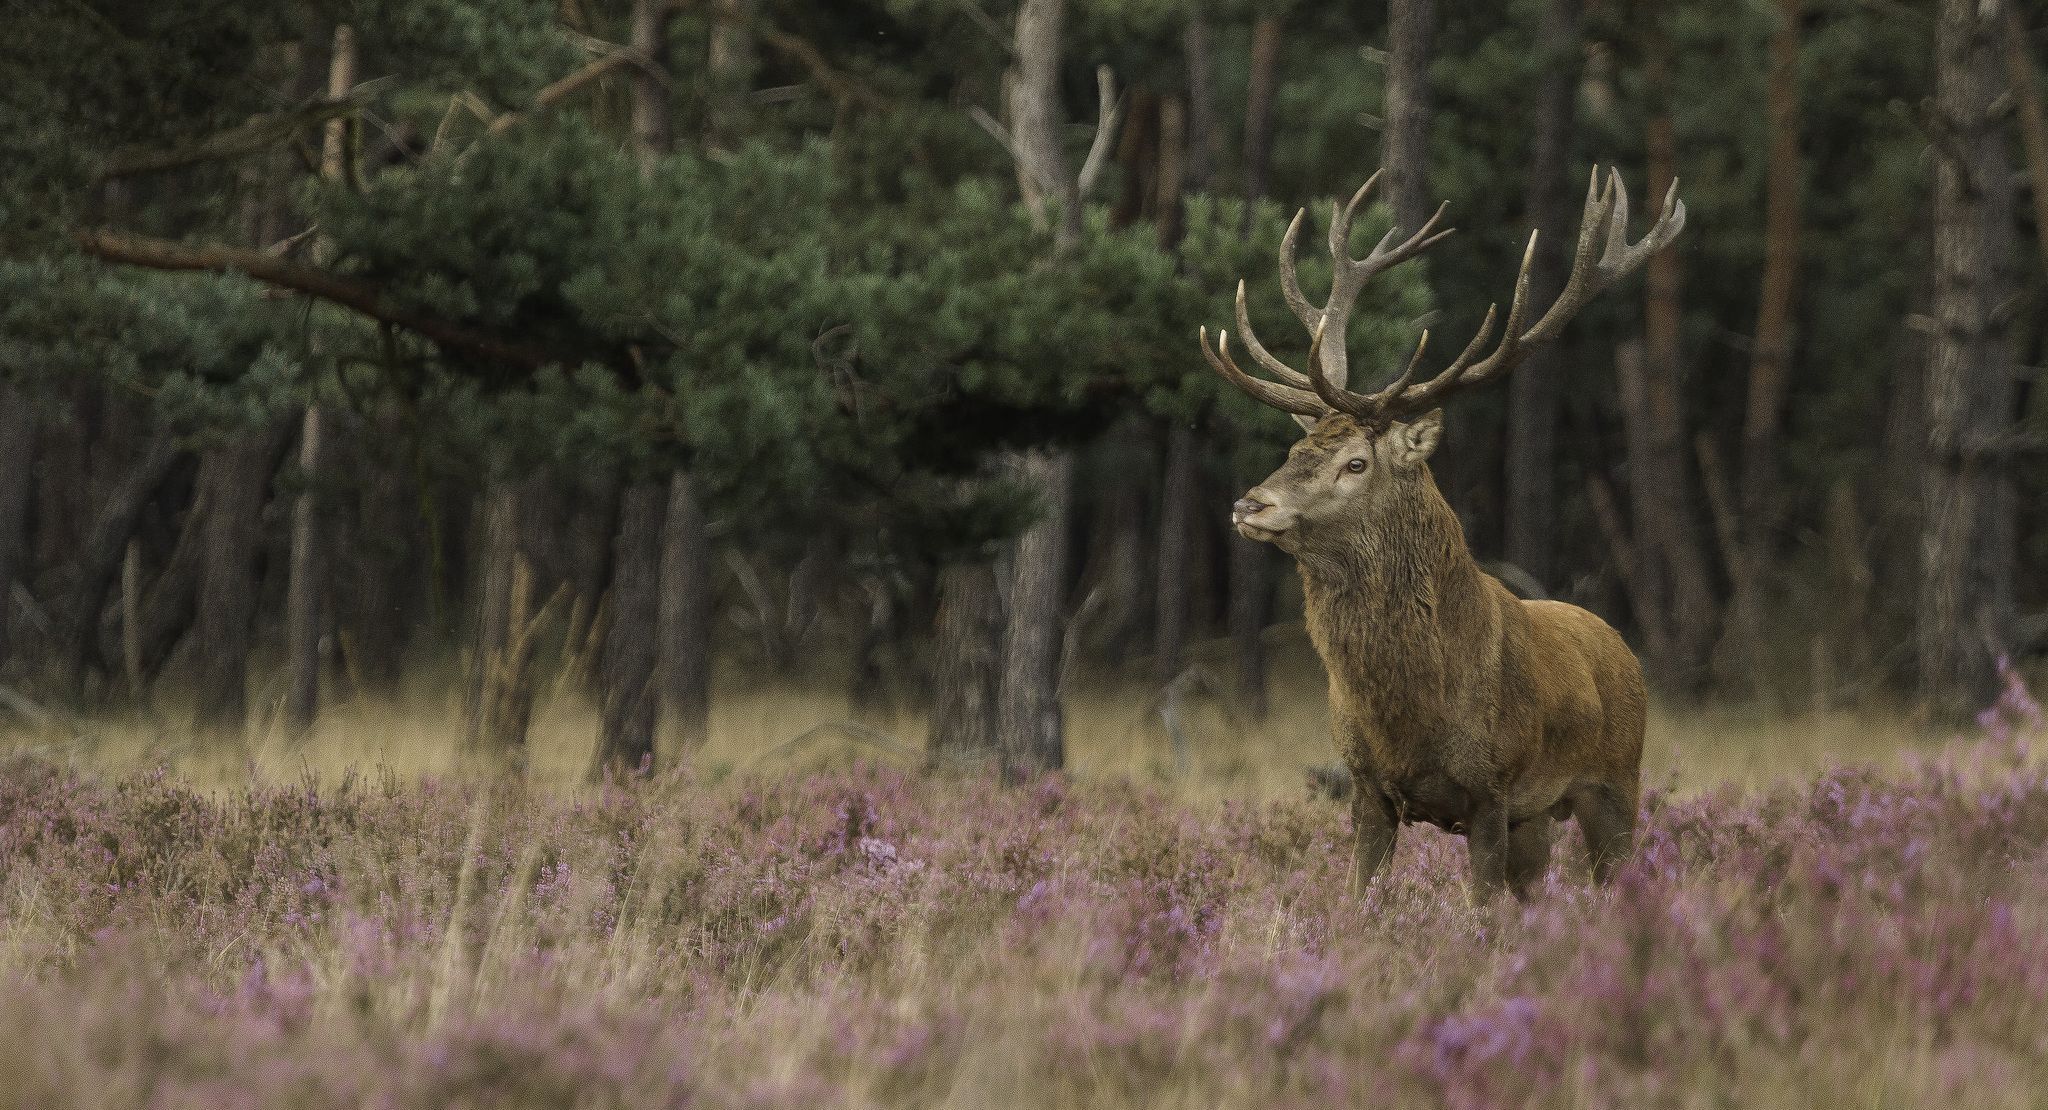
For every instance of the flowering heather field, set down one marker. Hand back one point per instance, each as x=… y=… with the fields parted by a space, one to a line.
x=872 y=938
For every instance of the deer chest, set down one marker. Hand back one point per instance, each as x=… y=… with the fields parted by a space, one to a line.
x=1430 y=798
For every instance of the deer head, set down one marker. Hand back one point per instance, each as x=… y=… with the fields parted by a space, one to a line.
x=1363 y=451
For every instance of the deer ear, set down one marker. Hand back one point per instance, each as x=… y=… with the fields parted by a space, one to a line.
x=1415 y=442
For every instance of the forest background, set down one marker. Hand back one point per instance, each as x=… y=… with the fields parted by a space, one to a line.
x=487 y=353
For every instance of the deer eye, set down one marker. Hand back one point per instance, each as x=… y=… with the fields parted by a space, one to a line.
x=1355 y=466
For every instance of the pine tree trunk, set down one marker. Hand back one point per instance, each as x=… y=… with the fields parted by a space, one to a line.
x=1030 y=721
x=1404 y=145
x=2033 y=116
x=1263 y=84
x=1771 y=354
x=96 y=564
x=238 y=481
x=1177 y=494
x=1251 y=562
x=966 y=667
x=631 y=642
x=304 y=595
x=17 y=479
x=1966 y=599
x=687 y=611
x=496 y=707
x=1534 y=389
x=1666 y=510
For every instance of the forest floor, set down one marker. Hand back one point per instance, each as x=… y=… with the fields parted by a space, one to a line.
x=1824 y=911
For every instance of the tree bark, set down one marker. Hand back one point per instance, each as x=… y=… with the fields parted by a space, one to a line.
x=498 y=703
x=1666 y=511
x=626 y=738
x=1771 y=353
x=237 y=477
x=99 y=561
x=1404 y=145
x=1251 y=562
x=1264 y=82
x=1030 y=720
x=1966 y=599
x=305 y=600
x=17 y=480
x=1534 y=389
x=2033 y=116
x=687 y=611
x=966 y=667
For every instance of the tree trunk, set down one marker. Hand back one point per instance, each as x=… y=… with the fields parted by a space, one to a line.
x=1666 y=510
x=304 y=595
x=1264 y=82
x=499 y=701
x=966 y=667
x=1177 y=493
x=729 y=60
x=1966 y=599
x=237 y=477
x=626 y=738
x=1533 y=390
x=1404 y=145
x=1251 y=562
x=99 y=561
x=2033 y=116
x=1195 y=47
x=1030 y=720
x=687 y=611
x=1771 y=354
x=17 y=480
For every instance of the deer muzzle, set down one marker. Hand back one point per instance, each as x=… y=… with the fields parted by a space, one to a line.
x=1258 y=518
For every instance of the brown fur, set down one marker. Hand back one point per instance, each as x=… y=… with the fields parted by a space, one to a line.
x=1453 y=701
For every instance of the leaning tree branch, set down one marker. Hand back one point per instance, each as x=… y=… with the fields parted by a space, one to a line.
x=367 y=300
x=252 y=136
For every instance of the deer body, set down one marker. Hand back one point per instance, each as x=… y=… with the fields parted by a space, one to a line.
x=1453 y=702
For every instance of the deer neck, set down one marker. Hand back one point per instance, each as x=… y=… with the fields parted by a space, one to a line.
x=1387 y=596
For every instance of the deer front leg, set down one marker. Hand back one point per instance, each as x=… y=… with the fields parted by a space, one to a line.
x=1372 y=833
x=1487 y=839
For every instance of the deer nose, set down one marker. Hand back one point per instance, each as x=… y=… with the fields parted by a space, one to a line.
x=1246 y=506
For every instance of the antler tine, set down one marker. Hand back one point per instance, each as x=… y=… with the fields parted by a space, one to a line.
x=1394 y=388
x=1380 y=258
x=1340 y=218
x=1617 y=257
x=1423 y=397
x=1290 y=278
x=1285 y=373
x=1278 y=396
x=1508 y=353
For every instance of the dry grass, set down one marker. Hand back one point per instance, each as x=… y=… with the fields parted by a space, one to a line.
x=1115 y=733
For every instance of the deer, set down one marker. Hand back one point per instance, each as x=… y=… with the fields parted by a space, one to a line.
x=1453 y=702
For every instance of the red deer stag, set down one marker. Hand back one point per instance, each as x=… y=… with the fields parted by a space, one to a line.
x=1453 y=701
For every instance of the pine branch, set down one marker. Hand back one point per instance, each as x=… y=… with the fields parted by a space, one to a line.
x=164 y=254
x=252 y=136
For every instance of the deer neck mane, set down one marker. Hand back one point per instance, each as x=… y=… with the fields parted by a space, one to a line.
x=1390 y=595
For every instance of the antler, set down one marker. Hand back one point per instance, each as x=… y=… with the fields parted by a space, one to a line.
x=1603 y=256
